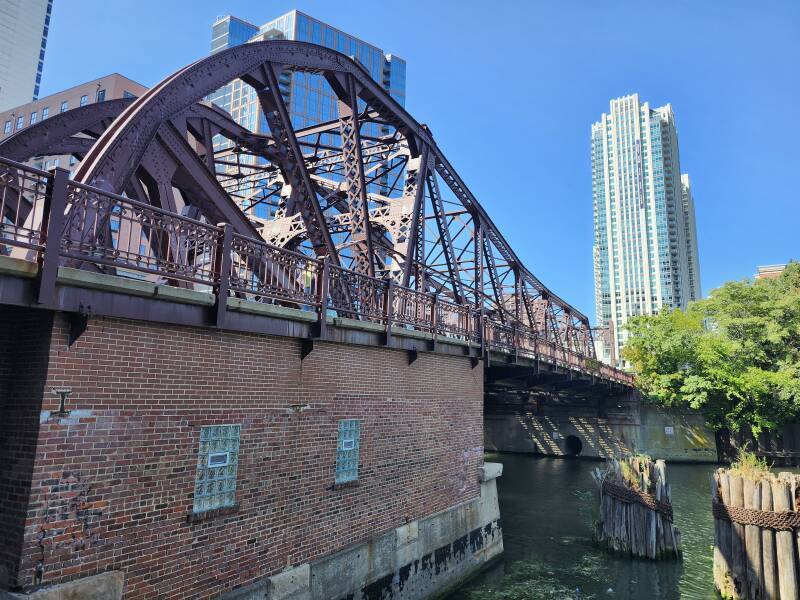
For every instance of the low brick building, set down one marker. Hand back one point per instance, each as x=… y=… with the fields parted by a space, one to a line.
x=196 y=463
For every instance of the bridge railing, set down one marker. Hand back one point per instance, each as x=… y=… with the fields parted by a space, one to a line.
x=357 y=296
x=132 y=239
x=112 y=234
x=412 y=309
x=263 y=273
x=23 y=205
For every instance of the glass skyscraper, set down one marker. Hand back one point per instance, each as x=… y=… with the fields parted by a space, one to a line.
x=645 y=239
x=308 y=96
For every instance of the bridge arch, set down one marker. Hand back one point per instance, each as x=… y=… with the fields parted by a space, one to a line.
x=369 y=189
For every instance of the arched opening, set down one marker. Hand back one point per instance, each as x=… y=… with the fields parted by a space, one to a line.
x=572 y=445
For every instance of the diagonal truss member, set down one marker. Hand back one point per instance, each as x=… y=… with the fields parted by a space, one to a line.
x=353 y=165
x=291 y=162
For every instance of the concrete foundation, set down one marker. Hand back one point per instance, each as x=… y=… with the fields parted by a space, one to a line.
x=106 y=586
x=625 y=427
x=676 y=436
x=414 y=561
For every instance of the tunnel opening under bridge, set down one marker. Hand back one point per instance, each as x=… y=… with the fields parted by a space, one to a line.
x=573 y=445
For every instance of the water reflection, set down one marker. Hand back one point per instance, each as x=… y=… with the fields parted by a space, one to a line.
x=548 y=506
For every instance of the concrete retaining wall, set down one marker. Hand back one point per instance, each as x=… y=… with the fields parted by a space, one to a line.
x=662 y=434
x=676 y=436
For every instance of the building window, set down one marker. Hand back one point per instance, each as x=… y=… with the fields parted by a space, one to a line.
x=84 y=100
x=33 y=117
x=127 y=94
x=7 y=127
x=347 y=450
x=57 y=162
x=217 y=461
x=45 y=112
x=72 y=161
x=64 y=106
x=20 y=122
x=101 y=95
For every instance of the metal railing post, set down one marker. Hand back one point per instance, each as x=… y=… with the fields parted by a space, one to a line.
x=482 y=329
x=324 y=286
x=434 y=321
x=55 y=203
x=222 y=273
x=515 y=341
x=389 y=310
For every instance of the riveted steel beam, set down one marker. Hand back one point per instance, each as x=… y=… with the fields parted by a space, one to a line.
x=353 y=162
x=291 y=162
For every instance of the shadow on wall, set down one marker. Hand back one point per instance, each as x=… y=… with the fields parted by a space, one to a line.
x=676 y=436
x=661 y=434
x=555 y=436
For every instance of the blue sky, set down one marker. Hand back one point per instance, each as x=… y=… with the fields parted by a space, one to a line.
x=510 y=90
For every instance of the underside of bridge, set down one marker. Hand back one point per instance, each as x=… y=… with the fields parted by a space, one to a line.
x=533 y=407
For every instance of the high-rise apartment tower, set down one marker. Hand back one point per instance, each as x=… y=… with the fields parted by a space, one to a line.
x=690 y=226
x=645 y=240
x=24 y=25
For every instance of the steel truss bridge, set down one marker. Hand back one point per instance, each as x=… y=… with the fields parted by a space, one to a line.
x=329 y=219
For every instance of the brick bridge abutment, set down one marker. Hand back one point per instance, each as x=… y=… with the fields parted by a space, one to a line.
x=101 y=500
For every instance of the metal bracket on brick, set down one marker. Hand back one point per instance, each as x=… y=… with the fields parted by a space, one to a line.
x=412 y=356
x=78 y=322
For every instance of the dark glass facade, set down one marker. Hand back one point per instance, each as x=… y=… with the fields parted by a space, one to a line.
x=308 y=97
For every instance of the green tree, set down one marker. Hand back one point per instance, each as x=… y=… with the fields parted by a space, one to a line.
x=734 y=356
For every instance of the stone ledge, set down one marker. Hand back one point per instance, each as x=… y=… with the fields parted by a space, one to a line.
x=490 y=471
x=348 y=323
x=18 y=266
x=102 y=281
x=105 y=586
x=134 y=287
x=209 y=515
x=274 y=310
x=186 y=296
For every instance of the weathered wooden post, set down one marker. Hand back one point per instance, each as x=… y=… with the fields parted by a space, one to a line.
x=756 y=532
x=636 y=508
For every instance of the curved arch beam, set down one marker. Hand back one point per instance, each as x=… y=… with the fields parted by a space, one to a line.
x=114 y=158
x=55 y=134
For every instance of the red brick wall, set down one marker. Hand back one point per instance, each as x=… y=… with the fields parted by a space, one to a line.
x=113 y=484
x=24 y=349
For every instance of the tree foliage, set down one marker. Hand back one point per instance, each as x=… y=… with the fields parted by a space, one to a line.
x=734 y=356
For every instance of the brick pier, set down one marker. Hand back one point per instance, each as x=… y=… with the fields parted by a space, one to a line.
x=108 y=488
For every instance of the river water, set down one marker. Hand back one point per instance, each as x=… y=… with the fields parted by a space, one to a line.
x=547 y=506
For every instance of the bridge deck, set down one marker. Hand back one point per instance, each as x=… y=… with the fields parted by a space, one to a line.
x=205 y=275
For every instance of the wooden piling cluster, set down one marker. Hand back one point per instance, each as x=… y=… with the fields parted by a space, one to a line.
x=756 y=534
x=636 y=508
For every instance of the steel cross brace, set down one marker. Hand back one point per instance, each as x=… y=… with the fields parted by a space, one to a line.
x=293 y=165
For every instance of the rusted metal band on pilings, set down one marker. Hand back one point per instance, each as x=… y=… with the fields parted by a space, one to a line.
x=765 y=519
x=638 y=497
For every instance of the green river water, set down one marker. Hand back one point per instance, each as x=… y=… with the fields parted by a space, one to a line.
x=547 y=508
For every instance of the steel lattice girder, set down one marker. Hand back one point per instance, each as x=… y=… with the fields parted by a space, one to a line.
x=161 y=146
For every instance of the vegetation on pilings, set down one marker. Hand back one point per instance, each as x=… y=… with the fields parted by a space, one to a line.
x=748 y=465
x=734 y=356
